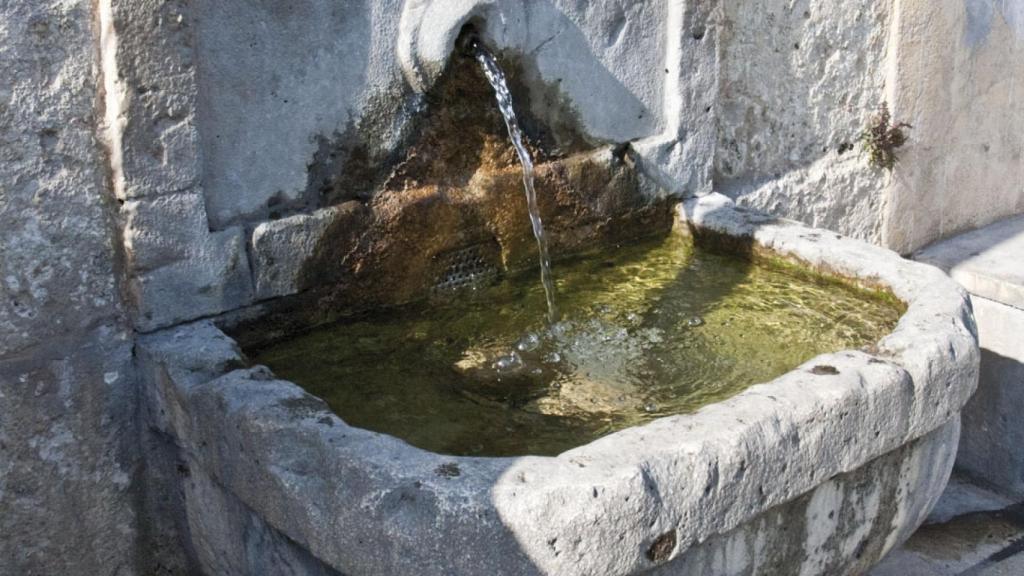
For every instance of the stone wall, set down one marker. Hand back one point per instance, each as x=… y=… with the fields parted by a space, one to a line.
x=956 y=74
x=178 y=268
x=798 y=81
x=231 y=123
x=787 y=104
x=68 y=464
x=283 y=87
x=275 y=81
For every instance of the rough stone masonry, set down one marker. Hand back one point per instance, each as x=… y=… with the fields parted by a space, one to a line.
x=68 y=462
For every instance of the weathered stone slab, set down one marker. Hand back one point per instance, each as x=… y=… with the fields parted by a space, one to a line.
x=797 y=83
x=56 y=254
x=280 y=248
x=163 y=230
x=681 y=157
x=992 y=448
x=229 y=538
x=172 y=362
x=213 y=278
x=988 y=262
x=156 y=79
x=955 y=74
x=270 y=109
x=68 y=457
x=268 y=102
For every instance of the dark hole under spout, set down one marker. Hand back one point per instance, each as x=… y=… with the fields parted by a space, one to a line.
x=468 y=41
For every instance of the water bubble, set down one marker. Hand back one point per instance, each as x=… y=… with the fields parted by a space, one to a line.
x=654 y=336
x=508 y=363
x=559 y=329
x=553 y=358
x=528 y=343
x=695 y=321
x=633 y=318
x=649 y=408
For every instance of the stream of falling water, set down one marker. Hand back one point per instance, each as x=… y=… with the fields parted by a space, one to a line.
x=497 y=79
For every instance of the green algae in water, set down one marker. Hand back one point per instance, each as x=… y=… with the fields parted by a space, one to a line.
x=653 y=329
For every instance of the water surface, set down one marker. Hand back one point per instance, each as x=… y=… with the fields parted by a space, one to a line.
x=650 y=330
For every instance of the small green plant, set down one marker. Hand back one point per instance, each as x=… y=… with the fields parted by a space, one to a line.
x=881 y=137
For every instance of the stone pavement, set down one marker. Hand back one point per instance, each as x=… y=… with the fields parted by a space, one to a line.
x=971 y=532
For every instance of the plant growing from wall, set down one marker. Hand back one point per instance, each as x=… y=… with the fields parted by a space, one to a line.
x=881 y=137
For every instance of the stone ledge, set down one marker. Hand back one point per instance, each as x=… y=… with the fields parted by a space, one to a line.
x=215 y=278
x=280 y=248
x=993 y=432
x=394 y=248
x=986 y=261
x=971 y=532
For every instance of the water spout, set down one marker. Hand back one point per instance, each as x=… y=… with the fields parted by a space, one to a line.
x=497 y=79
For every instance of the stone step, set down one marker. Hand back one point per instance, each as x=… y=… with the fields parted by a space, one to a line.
x=987 y=261
x=972 y=532
x=1013 y=566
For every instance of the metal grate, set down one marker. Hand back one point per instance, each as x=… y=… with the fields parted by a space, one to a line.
x=470 y=267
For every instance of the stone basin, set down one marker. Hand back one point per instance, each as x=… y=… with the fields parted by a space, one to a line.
x=820 y=471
